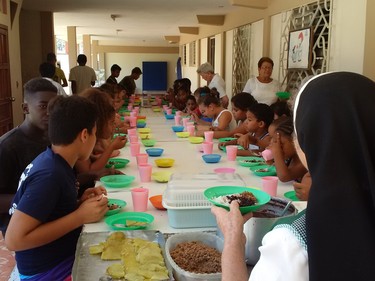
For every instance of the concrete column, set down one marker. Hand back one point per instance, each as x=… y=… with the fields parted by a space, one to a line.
x=72 y=46
x=87 y=49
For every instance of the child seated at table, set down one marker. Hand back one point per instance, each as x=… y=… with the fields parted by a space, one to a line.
x=223 y=119
x=259 y=117
x=46 y=217
x=280 y=108
x=240 y=103
x=117 y=94
x=288 y=165
x=105 y=145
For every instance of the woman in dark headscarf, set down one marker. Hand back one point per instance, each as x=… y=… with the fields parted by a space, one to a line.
x=335 y=128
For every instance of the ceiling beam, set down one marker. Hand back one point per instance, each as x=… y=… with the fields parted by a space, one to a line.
x=189 y=29
x=211 y=19
x=256 y=4
x=172 y=39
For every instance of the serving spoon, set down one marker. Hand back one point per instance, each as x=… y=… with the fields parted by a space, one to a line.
x=283 y=212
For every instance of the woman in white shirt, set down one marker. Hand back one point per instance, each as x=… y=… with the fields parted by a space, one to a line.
x=263 y=87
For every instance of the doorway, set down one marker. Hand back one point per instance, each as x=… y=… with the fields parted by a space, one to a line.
x=6 y=113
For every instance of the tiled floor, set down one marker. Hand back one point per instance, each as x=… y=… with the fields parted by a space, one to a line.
x=7 y=261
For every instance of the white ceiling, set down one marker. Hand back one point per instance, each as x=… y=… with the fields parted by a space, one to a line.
x=137 y=22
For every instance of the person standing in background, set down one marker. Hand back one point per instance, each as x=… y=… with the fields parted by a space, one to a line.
x=128 y=82
x=59 y=75
x=47 y=70
x=263 y=87
x=115 y=72
x=206 y=71
x=81 y=76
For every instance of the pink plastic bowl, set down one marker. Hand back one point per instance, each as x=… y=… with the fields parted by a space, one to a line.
x=224 y=170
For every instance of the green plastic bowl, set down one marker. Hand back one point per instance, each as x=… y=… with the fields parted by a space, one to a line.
x=149 y=142
x=118 y=163
x=264 y=170
x=250 y=161
x=116 y=181
x=216 y=191
x=283 y=95
x=120 y=204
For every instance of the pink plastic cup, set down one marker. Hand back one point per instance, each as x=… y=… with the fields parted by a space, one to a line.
x=142 y=158
x=130 y=107
x=178 y=113
x=208 y=147
x=135 y=148
x=231 y=152
x=267 y=154
x=209 y=136
x=145 y=171
x=269 y=185
x=177 y=120
x=184 y=121
x=133 y=114
x=169 y=111
x=133 y=138
x=132 y=132
x=140 y=199
x=191 y=130
x=133 y=121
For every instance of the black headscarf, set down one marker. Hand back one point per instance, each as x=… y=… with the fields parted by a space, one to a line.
x=335 y=126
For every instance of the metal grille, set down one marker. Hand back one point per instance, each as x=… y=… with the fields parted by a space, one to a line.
x=316 y=15
x=241 y=58
x=192 y=54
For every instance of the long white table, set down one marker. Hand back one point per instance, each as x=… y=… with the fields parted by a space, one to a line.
x=187 y=160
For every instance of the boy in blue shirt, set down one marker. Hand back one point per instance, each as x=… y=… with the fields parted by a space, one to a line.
x=46 y=217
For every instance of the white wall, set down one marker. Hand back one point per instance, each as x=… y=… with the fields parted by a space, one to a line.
x=348 y=36
x=229 y=63
x=256 y=49
x=127 y=61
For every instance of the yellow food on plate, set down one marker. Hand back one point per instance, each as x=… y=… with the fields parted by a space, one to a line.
x=140 y=259
x=116 y=271
x=96 y=249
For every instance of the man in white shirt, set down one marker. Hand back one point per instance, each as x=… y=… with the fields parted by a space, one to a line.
x=81 y=76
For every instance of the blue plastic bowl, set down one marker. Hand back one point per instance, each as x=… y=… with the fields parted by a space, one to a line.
x=169 y=116
x=177 y=128
x=154 y=152
x=141 y=125
x=211 y=158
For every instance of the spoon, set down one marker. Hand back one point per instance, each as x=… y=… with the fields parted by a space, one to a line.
x=285 y=209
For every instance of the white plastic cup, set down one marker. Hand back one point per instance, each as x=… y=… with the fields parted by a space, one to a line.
x=140 y=199
x=231 y=152
x=269 y=185
x=135 y=148
x=142 y=158
x=209 y=136
x=207 y=147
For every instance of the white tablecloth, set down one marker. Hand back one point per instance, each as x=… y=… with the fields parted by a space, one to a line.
x=187 y=159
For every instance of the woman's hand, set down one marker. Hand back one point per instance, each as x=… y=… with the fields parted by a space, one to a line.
x=231 y=222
